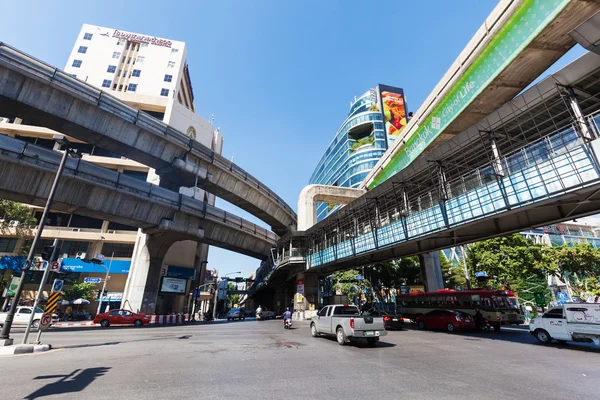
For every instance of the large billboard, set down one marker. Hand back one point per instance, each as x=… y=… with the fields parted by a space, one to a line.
x=393 y=106
x=173 y=285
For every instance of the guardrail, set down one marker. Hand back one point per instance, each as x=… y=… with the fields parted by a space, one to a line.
x=105 y=101
x=49 y=160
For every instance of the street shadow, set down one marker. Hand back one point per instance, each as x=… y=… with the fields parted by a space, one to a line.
x=515 y=334
x=74 y=382
x=361 y=343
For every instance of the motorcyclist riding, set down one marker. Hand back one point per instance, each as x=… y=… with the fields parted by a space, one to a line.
x=259 y=312
x=287 y=315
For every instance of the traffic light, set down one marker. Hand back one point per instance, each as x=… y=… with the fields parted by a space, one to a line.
x=238 y=279
x=47 y=253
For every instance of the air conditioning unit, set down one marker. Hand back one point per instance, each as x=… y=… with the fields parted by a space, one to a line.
x=76 y=229
x=81 y=254
x=112 y=232
x=4 y=120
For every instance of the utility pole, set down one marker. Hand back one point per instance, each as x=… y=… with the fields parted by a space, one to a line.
x=39 y=293
x=5 y=339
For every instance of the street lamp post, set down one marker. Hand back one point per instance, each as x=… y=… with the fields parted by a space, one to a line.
x=192 y=306
x=217 y=291
x=104 y=285
x=5 y=333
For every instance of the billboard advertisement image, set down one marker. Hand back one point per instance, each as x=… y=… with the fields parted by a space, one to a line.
x=173 y=285
x=394 y=111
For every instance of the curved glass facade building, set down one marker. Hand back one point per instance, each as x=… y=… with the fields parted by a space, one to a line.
x=374 y=121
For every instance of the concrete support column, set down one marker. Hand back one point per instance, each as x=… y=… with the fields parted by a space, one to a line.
x=142 y=285
x=431 y=270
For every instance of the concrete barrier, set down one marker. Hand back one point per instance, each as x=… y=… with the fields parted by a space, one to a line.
x=166 y=319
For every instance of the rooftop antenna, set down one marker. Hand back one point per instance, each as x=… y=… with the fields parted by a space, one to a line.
x=212 y=119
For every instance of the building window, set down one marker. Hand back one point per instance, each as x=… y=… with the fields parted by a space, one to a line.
x=7 y=245
x=136 y=72
x=119 y=249
x=128 y=44
x=171 y=64
x=174 y=51
x=164 y=92
x=132 y=87
x=119 y=73
x=129 y=60
x=114 y=86
x=72 y=247
x=123 y=60
x=168 y=78
x=120 y=42
x=82 y=49
x=144 y=44
x=116 y=55
x=87 y=36
x=141 y=59
x=76 y=63
x=111 y=68
x=106 y=83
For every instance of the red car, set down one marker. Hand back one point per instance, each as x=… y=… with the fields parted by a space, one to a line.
x=121 y=317
x=449 y=320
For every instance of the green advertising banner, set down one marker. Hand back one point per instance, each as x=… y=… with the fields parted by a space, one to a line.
x=528 y=20
x=10 y=291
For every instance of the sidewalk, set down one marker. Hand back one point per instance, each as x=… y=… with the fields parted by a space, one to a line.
x=74 y=324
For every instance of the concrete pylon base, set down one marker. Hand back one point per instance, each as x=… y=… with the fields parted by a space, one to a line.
x=431 y=270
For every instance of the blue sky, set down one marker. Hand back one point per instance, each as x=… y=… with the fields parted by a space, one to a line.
x=277 y=75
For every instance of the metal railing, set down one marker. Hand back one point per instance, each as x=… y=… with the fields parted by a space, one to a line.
x=76 y=168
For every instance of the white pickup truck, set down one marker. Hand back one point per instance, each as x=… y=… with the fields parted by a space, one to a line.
x=23 y=314
x=576 y=322
x=346 y=323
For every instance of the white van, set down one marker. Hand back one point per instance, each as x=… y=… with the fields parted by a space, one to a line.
x=576 y=322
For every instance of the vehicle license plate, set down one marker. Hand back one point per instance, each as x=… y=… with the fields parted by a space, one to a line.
x=370 y=333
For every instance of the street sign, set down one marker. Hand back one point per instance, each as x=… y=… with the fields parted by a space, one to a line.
x=52 y=303
x=92 y=280
x=480 y=274
x=540 y=299
x=55 y=267
x=57 y=285
x=359 y=277
x=100 y=257
x=196 y=293
x=45 y=321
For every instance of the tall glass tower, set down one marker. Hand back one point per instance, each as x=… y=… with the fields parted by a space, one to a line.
x=374 y=121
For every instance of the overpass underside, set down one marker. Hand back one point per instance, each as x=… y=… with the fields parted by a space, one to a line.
x=533 y=161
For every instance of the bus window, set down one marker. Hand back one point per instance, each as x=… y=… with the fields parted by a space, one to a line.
x=487 y=302
x=465 y=300
x=475 y=300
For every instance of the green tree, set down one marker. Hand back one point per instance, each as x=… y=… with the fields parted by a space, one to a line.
x=16 y=215
x=346 y=283
x=578 y=264
x=234 y=298
x=517 y=264
x=453 y=275
x=80 y=291
x=409 y=271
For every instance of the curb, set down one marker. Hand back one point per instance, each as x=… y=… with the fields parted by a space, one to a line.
x=24 y=349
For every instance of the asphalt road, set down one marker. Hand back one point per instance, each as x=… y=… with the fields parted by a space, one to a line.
x=259 y=360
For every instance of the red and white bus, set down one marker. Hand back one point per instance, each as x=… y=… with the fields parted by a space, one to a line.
x=497 y=306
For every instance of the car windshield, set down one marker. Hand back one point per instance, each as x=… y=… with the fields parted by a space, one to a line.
x=38 y=310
